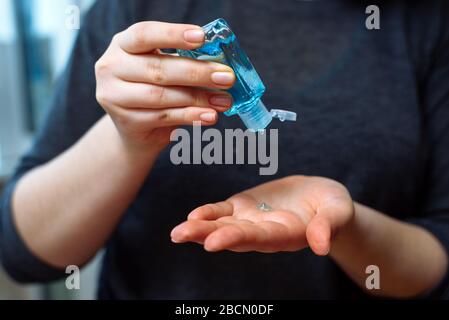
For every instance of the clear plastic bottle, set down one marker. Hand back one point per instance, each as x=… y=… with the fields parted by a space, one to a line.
x=222 y=46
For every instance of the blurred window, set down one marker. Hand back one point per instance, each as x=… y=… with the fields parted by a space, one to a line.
x=34 y=46
x=35 y=43
x=45 y=42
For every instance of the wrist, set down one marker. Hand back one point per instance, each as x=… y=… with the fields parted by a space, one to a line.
x=138 y=151
x=107 y=145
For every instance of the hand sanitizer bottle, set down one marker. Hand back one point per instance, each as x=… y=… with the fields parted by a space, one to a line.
x=222 y=46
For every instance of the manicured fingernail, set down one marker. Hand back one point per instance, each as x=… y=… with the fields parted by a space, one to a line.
x=221 y=101
x=208 y=117
x=223 y=78
x=194 y=36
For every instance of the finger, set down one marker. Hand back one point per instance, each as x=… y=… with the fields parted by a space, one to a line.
x=168 y=70
x=194 y=231
x=262 y=237
x=147 y=36
x=318 y=235
x=212 y=211
x=147 y=96
x=332 y=214
x=147 y=119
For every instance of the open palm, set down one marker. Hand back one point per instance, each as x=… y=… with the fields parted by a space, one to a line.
x=305 y=211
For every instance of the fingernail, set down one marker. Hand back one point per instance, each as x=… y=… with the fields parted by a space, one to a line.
x=223 y=78
x=194 y=36
x=208 y=117
x=221 y=101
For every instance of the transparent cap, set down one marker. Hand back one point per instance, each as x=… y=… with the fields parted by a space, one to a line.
x=283 y=115
x=257 y=118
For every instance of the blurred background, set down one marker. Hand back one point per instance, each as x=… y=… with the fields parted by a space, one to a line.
x=35 y=42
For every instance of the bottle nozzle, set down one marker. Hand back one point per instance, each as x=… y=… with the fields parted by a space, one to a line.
x=258 y=118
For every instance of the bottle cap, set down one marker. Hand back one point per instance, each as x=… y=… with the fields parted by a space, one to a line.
x=256 y=118
x=283 y=115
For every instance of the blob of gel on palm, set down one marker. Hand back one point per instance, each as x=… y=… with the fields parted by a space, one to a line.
x=222 y=46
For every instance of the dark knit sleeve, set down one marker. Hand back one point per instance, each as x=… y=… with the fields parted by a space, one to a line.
x=435 y=211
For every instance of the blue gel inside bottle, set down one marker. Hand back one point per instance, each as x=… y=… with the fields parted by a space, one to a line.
x=222 y=46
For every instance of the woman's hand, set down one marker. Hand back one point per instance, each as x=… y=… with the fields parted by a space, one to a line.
x=306 y=211
x=147 y=93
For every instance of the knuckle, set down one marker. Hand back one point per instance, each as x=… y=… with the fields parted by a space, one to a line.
x=157 y=95
x=150 y=25
x=171 y=32
x=156 y=70
x=139 y=32
x=199 y=98
x=194 y=74
x=185 y=115
x=102 y=98
x=101 y=68
x=163 y=116
x=123 y=117
x=116 y=38
x=172 y=116
x=209 y=208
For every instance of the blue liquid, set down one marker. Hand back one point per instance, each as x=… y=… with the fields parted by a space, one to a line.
x=222 y=46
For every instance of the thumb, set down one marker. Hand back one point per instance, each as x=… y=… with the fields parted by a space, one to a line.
x=318 y=234
x=324 y=226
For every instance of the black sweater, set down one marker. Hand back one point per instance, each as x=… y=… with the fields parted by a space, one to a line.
x=374 y=115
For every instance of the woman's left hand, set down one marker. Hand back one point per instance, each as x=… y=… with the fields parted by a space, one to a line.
x=304 y=211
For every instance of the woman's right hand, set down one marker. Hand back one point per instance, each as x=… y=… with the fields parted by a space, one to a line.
x=148 y=93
